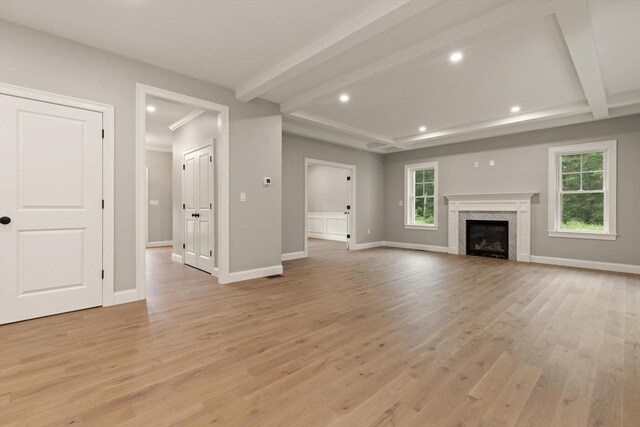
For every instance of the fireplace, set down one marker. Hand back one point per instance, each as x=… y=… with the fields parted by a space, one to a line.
x=488 y=238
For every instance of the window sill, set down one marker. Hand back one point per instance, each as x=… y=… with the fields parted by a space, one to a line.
x=420 y=227
x=582 y=235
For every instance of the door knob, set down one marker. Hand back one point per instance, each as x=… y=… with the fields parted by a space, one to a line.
x=5 y=220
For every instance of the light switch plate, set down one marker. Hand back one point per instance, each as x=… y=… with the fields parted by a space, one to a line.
x=243 y=197
x=154 y=202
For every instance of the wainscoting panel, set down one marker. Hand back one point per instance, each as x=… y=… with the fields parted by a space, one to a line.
x=327 y=225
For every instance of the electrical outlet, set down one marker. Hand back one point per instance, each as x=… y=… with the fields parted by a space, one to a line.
x=400 y=202
x=368 y=231
x=492 y=162
x=243 y=197
x=476 y=164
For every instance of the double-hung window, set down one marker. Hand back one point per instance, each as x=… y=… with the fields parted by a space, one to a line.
x=582 y=191
x=421 y=196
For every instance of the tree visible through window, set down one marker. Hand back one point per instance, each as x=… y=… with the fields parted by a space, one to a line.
x=582 y=192
x=421 y=195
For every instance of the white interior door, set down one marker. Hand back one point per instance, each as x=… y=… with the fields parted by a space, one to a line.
x=51 y=192
x=198 y=208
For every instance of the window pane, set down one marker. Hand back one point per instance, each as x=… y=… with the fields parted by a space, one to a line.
x=419 y=189
x=570 y=181
x=418 y=213
x=428 y=188
x=592 y=161
x=428 y=175
x=419 y=176
x=592 y=181
x=428 y=210
x=571 y=163
x=583 y=212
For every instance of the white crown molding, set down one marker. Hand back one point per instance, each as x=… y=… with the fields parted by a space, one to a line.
x=341 y=127
x=301 y=129
x=156 y=147
x=186 y=119
x=574 y=19
x=378 y=18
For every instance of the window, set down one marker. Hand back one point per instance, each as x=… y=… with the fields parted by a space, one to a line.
x=582 y=191
x=421 y=196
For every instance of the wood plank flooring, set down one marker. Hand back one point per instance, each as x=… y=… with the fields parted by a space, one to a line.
x=379 y=337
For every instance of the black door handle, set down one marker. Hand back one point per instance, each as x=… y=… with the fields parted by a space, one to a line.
x=5 y=220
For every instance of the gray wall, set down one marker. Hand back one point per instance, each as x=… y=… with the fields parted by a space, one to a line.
x=160 y=222
x=41 y=61
x=369 y=184
x=188 y=136
x=327 y=188
x=522 y=165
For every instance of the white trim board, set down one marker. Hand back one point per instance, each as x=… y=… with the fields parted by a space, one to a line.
x=108 y=172
x=186 y=119
x=256 y=273
x=293 y=255
x=593 y=265
x=417 y=246
x=222 y=167
x=176 y=258
x=123 y=297
x=160 y=243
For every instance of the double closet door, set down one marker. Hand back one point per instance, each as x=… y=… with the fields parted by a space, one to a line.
x=198 y=193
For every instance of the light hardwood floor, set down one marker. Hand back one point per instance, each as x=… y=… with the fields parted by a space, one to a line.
x=365 y=338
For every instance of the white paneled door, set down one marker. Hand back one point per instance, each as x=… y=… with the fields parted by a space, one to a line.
x=50 y=209
x=198 y=208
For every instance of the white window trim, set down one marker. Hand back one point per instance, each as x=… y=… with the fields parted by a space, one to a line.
x=610 y=161
x=408 y=184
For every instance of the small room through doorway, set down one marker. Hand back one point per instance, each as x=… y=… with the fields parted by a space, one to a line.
x=329 y=206
x=180 y=187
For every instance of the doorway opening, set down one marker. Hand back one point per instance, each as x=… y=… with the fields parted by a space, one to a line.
x=183 y=203
x=180 y=181
x=330 y=206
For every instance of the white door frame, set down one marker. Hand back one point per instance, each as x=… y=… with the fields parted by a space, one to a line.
x=221 y=166
x=210 y=142
x=352 y=215
x=108 y=213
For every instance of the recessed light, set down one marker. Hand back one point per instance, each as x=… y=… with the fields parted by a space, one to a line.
x=515 y=109
x=455 y=57
x=344 y=98
x=151 y=108
x=423 y=129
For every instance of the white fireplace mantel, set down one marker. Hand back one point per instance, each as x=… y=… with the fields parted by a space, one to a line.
x=520 y=203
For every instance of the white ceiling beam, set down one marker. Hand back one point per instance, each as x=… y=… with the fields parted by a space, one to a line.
x=341 y=127
x=575 y=22
x=494 y=127
x=184 y=120
x=508 y=14
x=378 y=18
x=321 y=135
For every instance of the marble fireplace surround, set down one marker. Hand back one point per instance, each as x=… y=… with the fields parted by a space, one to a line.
x=519 y=203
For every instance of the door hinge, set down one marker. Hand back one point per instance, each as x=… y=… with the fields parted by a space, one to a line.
x=183 y=206
x=102 y=203
x=210 y=253
x=348 y=236
x=210 y=159
x=348 y=178
x=102 y=274
x=182 y=167
x=102 y=133
x=210 y=206
x=183 y=246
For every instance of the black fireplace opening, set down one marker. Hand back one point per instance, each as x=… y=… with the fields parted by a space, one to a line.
x=488 y=238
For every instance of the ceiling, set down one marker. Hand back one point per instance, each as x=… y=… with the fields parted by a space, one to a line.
x=158 y=134
x=560 y=61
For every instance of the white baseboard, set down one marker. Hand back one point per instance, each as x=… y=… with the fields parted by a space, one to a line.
x=215 y=272
x=416 y=246
x=293 y=255
x=256 y=273
x=160 y=243
x=176 y=258
x=369 y=245
x=594 y=265
x=123 y=297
